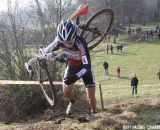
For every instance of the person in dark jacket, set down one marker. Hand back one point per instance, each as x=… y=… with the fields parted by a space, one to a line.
x=105 y=65
x=134 y=84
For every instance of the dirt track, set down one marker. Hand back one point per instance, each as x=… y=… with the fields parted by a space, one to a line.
x=113 y=117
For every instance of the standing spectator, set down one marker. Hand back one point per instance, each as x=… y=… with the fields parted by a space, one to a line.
x=118 y=71
x=129 y=31
x=158 y=74
x=121 y=47
x=114 y=38
x=105 y=65
x=134 y=84
x=147 y=34
x=118 y=48
x=133 y=31
x=111 y=48
x=151 y=33
x=142 y=37
x=107 y=38
x=159 y=35
x=107 y=48
x=116 y=33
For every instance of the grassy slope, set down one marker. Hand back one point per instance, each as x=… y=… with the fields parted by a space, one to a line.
x=141 y=58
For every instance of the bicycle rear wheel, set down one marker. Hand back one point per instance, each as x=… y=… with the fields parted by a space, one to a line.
x=46 y=84
x=97 y=27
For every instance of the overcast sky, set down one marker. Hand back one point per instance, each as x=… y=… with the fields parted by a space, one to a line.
x=21 y=3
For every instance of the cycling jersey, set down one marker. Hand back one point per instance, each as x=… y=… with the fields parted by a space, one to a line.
x=78 y=58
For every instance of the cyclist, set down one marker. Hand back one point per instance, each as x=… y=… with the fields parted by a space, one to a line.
x=79 y=65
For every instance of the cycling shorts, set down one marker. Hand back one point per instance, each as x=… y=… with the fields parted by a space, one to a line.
x=88 y=78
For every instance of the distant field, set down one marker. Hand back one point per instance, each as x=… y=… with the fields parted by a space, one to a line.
x=141 y=58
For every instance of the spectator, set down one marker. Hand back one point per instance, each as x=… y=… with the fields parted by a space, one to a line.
x=116 y=34
x=159 y=35
x=118 y=71
x=134 y=84
x=114 y=38
x=151 y=33
x=129 y=31
x=118 y=47
x=142 y=37
x=147 y=34
x=105 y=65
x=133 y=30
x=106 y=38
x=121 y=47
x=109 y=38
x=111 y=48
x=158 y=74
x=107 y=48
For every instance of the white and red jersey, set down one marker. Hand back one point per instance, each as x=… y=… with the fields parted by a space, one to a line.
x=78 y=55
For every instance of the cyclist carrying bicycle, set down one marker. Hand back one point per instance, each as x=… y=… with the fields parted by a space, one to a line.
x=79 y=64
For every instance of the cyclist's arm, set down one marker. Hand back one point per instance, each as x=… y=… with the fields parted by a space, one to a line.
x=52 y=46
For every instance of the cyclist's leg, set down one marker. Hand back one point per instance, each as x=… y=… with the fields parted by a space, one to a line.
x=90 y=89
x=91 y=98
x=68 y=89
x=69 y=93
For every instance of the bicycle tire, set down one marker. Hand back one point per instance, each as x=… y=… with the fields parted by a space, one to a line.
x=92 y=43
x=48 y=90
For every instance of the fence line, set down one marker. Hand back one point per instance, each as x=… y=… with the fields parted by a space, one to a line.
x=14 y=82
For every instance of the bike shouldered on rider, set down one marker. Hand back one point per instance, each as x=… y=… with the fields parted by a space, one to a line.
x=79 y=64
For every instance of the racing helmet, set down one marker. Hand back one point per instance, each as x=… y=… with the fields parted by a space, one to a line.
x=66 y=30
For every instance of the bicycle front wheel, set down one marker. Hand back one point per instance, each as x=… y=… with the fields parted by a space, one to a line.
x=46 y=84
x=97 y=27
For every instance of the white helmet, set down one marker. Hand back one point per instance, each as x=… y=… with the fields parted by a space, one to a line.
x=66 y=31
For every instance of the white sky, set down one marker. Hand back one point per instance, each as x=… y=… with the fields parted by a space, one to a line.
x=21 y=3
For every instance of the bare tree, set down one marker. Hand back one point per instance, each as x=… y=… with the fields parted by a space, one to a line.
x=48 y=14
x=13 y=54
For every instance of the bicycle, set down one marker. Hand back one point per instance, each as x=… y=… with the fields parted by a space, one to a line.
x=91 y=30
x=95 y=29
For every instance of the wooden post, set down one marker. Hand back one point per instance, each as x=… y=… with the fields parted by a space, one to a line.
x=100 y=90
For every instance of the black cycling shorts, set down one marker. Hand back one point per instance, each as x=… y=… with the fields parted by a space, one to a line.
x=88 y=77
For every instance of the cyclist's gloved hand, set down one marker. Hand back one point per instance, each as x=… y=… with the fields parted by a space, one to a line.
x=70 y=79
x=61 y=59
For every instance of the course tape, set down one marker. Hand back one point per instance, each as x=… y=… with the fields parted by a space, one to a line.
x=12 y=82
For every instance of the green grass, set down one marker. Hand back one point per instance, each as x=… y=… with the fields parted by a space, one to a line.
x=141 y=58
